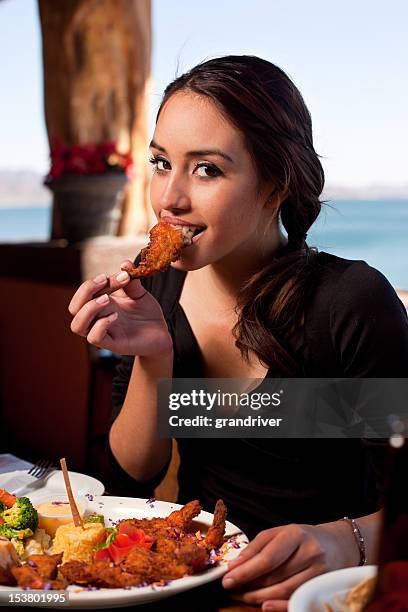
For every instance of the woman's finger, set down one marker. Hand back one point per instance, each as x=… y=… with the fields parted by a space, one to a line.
x=303 y=557
x=99 y=330
x=275 y=606
x=96 y=287
x=82 y=321
x=119 y=280
x=86 y=292
x=272 y=555
x=285 y=571
x=127 y=264
x=132 y=287
x=254 y=547
x=277 y=592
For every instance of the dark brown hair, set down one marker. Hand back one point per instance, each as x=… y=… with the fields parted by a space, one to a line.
x=263 y=103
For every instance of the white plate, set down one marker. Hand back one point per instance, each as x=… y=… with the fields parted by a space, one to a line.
x=313 y=594
x=54 y=483
x=115 y=508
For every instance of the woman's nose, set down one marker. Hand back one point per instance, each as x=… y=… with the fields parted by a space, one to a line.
x=174 y=196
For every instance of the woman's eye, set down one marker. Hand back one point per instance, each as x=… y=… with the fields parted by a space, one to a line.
x=202 y=169
x=159 y=163
x=207 y=170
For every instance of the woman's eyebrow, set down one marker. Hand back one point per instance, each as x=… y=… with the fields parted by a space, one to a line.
x=198 y=153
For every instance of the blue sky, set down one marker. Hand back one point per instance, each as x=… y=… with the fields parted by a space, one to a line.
x=349 y=59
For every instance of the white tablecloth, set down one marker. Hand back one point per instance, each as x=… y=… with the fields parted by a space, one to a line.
x=9 y=463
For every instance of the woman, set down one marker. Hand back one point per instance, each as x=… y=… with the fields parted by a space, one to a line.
x=233 y=153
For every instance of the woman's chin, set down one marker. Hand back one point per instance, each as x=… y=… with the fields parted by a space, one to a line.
x=185 y=266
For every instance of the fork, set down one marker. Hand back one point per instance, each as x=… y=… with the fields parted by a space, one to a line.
x=38 y=472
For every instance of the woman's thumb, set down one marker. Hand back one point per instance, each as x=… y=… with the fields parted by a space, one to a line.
x=135 y=289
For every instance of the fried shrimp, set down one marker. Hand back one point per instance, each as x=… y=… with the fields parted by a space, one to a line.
x=165 y=246
x=100 y=573
x=215 y=535
x=179 y=520
x=45 y=565
x=28 y=577
x=141 y=562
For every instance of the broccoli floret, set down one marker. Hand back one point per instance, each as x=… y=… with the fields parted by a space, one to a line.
x=2 y=507
x=95 y=518
x=11 y=532
x=21 y=515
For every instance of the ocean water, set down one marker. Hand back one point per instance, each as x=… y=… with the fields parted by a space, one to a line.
x=374 y=231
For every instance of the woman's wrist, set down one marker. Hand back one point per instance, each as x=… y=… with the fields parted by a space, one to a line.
x=164 y=351
x=158 y=345
x=346 y=541
x=346 y=552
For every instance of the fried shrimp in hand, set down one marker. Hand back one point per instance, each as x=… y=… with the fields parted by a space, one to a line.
x=165 y=246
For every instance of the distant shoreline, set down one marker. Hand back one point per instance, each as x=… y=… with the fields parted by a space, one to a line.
x=14 y=205
x=332 y=200
x=25 y=189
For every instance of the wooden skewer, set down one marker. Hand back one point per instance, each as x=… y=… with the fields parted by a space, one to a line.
x=75 y=514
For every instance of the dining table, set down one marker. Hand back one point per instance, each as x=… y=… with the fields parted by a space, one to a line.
x=210 y=597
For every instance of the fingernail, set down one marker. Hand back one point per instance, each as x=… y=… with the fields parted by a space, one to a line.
x=101 y=278
x=268 y=607
x=102 y=299
x=122 y=276
x=228 y=583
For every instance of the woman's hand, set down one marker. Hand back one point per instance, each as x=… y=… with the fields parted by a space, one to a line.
x=118 y=314
x=279 y=560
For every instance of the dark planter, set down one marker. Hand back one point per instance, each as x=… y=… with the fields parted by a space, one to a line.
x=86 y=206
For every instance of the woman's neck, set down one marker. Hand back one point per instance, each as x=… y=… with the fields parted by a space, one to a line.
x=226 y=277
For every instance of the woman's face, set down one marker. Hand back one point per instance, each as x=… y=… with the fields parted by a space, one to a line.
x=203 y=174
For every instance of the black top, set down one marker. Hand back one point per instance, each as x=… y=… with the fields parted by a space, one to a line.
x=355 y=326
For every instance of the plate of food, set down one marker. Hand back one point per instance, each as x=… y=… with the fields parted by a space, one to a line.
x=124 y=552
x=82 y=484
x=344 y=590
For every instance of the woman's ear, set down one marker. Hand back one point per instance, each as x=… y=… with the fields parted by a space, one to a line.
x=275 y=198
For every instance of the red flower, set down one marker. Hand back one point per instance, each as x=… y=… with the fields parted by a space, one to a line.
x=87 y=159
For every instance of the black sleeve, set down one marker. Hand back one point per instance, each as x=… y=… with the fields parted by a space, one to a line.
x=369 y=325
x=369 y=328
x=120 y=384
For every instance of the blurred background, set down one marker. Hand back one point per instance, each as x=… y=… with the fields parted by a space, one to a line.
x=348 y=59
x=98 y=68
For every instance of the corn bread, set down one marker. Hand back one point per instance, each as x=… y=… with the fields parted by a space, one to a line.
x=77 y=543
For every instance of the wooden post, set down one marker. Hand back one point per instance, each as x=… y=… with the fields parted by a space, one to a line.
x=96 y=81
